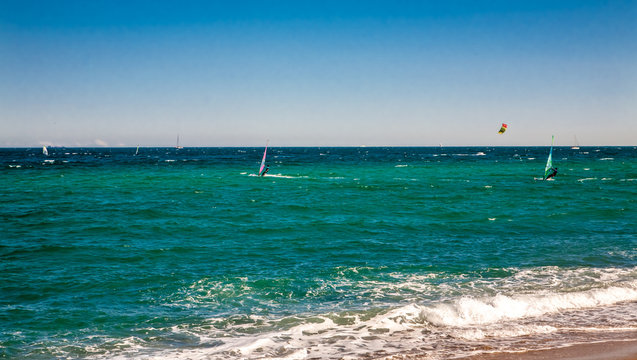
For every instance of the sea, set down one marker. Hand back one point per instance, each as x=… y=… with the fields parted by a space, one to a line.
x=337 y=253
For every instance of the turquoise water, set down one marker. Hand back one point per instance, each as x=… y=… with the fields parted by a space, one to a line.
x=337 y=252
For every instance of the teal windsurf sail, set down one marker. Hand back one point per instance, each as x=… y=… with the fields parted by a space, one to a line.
x=549 y=162
x=263 y=160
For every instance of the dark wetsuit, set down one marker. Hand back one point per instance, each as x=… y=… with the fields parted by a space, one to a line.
x=552 y=174
x=265 y=170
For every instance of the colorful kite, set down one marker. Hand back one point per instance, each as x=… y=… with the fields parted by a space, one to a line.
x=503 y=129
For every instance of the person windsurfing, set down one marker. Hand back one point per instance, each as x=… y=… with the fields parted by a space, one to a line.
x=553 y=172
x=267 y=167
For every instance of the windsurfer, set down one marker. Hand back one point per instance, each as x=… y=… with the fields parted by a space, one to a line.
x=553 y=172
x=267 y=167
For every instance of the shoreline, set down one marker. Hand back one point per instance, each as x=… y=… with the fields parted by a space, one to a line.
x=606 y=350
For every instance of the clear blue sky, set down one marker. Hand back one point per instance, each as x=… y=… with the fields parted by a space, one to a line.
x=317 y=73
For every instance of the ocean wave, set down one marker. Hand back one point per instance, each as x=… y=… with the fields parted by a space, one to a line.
x=471 y=311
x=494 y=308
x=395 y=331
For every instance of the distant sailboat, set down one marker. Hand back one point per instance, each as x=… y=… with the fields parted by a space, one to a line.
x=177 y=146
x=45 y=151
x=261 y=168
x=137 y=151
x=548 y=169
x=576 y=146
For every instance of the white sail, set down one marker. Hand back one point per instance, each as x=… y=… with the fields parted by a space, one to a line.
x=263 y=160
x=576 y=146
x=45 y=151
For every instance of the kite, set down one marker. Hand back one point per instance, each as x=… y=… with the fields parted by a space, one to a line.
x=503 y=128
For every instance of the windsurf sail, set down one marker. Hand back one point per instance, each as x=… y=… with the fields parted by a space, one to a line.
x=576 y=146
x=263 y=160
x=549 y=161
x=503 y=128
x=137 y=151
x=45 y=151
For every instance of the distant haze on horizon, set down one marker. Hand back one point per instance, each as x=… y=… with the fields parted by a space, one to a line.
x=324 y=73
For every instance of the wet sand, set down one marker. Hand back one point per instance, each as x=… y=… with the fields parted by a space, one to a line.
x=611 y=350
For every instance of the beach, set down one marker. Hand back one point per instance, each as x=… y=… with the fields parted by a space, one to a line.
x=611 y=350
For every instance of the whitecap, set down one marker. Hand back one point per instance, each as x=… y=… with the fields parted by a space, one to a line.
x=475 y=311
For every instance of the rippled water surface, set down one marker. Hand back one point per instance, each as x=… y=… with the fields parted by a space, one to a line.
x=337 y=252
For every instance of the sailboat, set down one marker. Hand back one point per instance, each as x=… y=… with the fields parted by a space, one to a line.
x=177 y=146
x=548 y=169
x=261 y=172
x=45 y=151
x=137 y=151
x=576 y=146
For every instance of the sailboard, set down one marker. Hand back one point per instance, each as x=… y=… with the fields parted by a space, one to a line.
x=137 y=151
x=263 y=160
x=45 y=151
x=549 y=161
x=503 y=128
x=576 y=146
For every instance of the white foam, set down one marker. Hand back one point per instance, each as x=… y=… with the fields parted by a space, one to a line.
x=527 y=302
x=463 y=318
x=250 y=348
x=284 y=176
x=471 y=311
x=482 y=333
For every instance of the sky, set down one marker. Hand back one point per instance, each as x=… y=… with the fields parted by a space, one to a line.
x=317 y=73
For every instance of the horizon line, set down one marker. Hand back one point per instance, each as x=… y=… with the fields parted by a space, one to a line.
x=297 y=146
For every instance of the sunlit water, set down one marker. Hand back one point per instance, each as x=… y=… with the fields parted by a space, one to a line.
x=339 y=252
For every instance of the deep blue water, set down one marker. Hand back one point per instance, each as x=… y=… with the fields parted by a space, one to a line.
x=337 y=252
